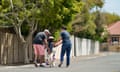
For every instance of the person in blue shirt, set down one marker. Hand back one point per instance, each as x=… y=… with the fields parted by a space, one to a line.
x=66 y=46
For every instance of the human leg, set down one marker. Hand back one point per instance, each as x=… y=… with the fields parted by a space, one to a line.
x=62 y=56
x=41 y=54
x=68 y=50
x=36 y=53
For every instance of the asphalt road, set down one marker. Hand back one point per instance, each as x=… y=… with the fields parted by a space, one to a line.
x=107 y=63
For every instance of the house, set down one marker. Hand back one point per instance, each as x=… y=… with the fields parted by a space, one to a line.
x=114 y=36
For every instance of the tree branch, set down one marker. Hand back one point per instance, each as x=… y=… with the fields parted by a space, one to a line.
x=20 y=35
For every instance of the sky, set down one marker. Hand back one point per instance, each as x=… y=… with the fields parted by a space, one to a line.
x=112 y=6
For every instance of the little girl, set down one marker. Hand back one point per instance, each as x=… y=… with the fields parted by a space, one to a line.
x=51 y=54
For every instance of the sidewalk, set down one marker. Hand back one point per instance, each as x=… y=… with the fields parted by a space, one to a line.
x=73 y=59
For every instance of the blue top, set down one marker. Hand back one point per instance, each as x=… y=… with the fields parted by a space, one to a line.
x=50 y=44
x=39 y=38
x=65 y=37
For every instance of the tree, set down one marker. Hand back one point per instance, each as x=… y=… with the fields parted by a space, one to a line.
x=100 y=25
x=110 y=18
x=27 y=16
x=83 y=23
x=56 y=13
x=103 y=19
x=19 y=14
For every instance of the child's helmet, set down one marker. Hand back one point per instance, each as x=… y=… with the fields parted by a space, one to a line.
x=51 y=37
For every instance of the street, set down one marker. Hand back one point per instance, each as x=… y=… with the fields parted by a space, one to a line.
x=107 y=63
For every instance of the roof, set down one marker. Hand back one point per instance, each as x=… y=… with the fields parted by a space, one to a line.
x=114 y=29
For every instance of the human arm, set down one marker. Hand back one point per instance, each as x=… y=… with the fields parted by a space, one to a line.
x=46 y=45
x=58 y=42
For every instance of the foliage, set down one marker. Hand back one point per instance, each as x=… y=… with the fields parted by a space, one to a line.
x=51 y=14
x=110 y=18
x=86 y=24
x=59 y=12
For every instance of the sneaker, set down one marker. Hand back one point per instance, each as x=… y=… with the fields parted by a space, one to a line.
x=47 y=64
x=67 y=66
x=35 y=64
x=60 y=65
x=42 y=66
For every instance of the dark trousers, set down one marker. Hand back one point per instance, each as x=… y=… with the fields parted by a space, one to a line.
x=66 y=48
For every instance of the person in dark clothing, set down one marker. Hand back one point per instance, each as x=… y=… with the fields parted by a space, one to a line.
x=51 y=55
x=51 y=43
x=66 y=46
x=39 y=45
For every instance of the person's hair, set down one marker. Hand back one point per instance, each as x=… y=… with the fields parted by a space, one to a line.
x=63 y=27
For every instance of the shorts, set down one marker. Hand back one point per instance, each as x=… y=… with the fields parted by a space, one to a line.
x=39 y=49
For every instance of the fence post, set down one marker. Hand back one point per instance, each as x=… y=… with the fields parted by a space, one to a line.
x=77 y=46
x=74 y=46
x=92 y=47
x=0 y=46
x=97 y=47
x=72 y=41
x=84 y=46
x=88 y=46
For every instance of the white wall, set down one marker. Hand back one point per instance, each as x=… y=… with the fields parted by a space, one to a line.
x=80 y=47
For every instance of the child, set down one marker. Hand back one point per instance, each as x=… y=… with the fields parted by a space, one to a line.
x=51 y=54
x=51 y=43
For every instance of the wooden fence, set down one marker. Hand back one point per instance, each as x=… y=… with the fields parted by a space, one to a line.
x=110 y=47
x=11 y=50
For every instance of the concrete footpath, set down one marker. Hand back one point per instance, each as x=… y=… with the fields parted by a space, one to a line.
x=73 y=59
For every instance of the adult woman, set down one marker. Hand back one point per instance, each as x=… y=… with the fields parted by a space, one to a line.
x=66 y=46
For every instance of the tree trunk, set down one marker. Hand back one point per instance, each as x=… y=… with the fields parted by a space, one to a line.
x=26 y=46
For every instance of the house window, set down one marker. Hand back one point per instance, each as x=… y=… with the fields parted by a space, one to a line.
x=115 y=40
